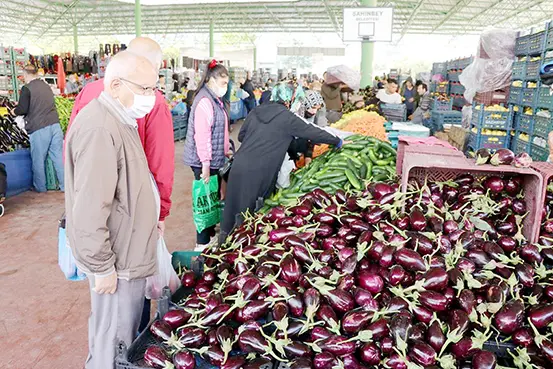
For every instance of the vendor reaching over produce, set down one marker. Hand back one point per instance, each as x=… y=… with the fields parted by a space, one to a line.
x=388 y=94
x=42 y=124
x=265 y=137
x=112 y=204
x=207 y=139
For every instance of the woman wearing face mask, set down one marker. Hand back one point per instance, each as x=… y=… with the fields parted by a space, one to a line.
x=207 y=138
x=265 y=136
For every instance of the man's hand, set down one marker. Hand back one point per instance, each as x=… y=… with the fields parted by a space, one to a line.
x=107 y=284
x=206 y=172
x=411 y=100
x=161 y=227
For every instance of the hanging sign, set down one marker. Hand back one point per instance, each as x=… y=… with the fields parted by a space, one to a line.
x=368 y=24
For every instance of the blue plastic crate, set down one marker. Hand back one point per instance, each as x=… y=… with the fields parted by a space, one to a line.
x=453 y=76
x=525 y=123
x=533 y=70
x=515 y=95
x=519 y=70
x=536 y=43
x=480 y=140
x=521 y=45
x=518 y=146
x=539 y=153
x=394 y=112
x=180 y=121
x=452 y=117
x=456 y=89
x=542 y=126
x=529 y=97
x=465 y=62
x=19 y=169
x=459 y=101
x=490 y=119
x=179 y=134
x=438 y=105
x=545 y=98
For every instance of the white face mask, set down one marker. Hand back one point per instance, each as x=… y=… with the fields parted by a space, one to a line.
x=216 y=89
x=142 y=105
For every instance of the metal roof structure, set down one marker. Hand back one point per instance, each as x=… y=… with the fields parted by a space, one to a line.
x=50 y=19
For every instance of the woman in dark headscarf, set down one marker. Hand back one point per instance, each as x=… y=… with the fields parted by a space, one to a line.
x=265 y=136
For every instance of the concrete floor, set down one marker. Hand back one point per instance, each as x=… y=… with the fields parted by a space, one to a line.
x=43 y=317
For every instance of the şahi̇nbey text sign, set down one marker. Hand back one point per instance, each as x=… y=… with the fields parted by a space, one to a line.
x=368 y=24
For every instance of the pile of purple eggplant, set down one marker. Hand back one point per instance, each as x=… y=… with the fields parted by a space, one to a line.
x=373 y=279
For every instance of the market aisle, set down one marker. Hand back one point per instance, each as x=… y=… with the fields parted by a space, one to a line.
x=43 y=317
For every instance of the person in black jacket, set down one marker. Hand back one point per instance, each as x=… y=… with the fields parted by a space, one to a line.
x=265 y=136
x=248 y=87
x=36 y=103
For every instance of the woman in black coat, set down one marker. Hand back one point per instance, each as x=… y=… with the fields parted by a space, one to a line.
x=265 y=136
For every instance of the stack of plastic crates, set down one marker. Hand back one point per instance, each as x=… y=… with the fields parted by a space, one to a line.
x=521 y=45
x=515 y=95
x=549 y=40
x=490 y=129
x=545 y=98
x=524 y=123
x=533 y=68
x=519 y=69
x=530 y=94
x=539 y=148
x=180 y=125
x=456 y=88
x=495 y=97
x=7 y=87
x=536 y=43
x=394 y=112
x=393 y=135
x=447 y=118
x=439 y=68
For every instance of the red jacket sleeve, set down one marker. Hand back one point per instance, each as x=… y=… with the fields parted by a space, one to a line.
x=159 y=146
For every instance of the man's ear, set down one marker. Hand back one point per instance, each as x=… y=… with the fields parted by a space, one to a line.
x=115 y=85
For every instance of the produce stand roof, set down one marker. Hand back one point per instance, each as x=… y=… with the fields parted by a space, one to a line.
x=43 y=19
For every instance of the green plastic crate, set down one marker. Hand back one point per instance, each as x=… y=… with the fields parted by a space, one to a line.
x=52 y=183
x=539 y=153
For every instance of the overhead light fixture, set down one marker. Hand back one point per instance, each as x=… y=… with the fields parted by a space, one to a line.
x=200 y=2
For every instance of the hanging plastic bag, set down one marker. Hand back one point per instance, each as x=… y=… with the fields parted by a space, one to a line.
x=165 y=276
x=66 y=260
x=283 y=179
x=205 y=203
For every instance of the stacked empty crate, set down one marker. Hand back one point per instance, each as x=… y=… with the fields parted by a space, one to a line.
x=12 y=62
x=531 y=103
x=443 y=115
x=456 y=89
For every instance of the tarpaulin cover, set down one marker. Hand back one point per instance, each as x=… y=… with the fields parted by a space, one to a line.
x=342 y=73
x=492 y=68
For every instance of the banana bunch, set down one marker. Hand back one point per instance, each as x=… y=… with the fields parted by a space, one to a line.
x=524 y=137
x=528 y=111
x=495 y=107
x=536 y=58
x=517 y=84
x=491 y=132
x=531 y=84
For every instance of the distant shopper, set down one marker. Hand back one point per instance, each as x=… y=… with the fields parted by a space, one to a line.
x=176 y=82
x=266 y=95
x=36 y=104
x=408 y=92
x=248 y=87
x=388 y=94
x=422 y=114
x=332 y=95
x=417 y=96
x=112 y=204
x=207 y=138
x=266 y=136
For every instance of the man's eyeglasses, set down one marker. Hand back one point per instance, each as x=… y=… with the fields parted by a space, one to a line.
x=144 y=90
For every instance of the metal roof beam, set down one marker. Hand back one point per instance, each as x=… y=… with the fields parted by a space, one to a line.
x=411 y=17
x=451 y=12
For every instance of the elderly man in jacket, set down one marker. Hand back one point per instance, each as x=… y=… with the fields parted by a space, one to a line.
x=112 y=204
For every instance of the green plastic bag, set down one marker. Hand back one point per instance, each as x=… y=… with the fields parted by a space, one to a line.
x=205 y=203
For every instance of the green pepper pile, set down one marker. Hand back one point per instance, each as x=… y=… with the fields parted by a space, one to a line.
x=64 y=107
x=366 y=158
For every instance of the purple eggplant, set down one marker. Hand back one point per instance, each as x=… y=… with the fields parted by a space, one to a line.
x=192 y=337
x=340 y=300
x=523 y=337
x=410 y=260
x=365 y=299
x=542 y=316
x=525 y=274
x=459 y=320
x=213 y=317
x=354 y=321
x=531 y=254
x=370 y=282
x=297 y=349
x=324 y=360
x=301 y=363
x=370 y=354
x=434 y=300
x=435 y=279
x=324 y=218
x=502 y=157
x=295 y=304
x=252 y=341
x=161 y=330
x=327 y=315
x=188 y=279
x=495 y=184
x=397 y=273
x=278 y=235
x=184 y=360
x=513 y=185
x=254 y=310
x=401 y=326
x=423 y=314
x=510 y=318
x=320 y=333
x=463 y=349
x=214 y=355
x=417 y=220
x=483 y=156
x=176 y=318
x=435 y=336
x=379 y=329
x=234 y=362
x=508 y=244
x=423 y=353
x=324 y=230
x=484 y=360
x=156 y=357
x=337 y=345
x=395 y=362
x=290 y=269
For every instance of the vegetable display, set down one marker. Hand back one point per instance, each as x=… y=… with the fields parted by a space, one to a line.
x=365 y=158
x=11 y=137
x=64 y=106
x=503 y=157
x=372 y=278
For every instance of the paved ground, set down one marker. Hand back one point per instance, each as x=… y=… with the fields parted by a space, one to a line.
x=43 y=317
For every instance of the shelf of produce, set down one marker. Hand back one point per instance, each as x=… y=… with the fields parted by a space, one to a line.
x=423 y=167
x=481 y=140
x=492 y=119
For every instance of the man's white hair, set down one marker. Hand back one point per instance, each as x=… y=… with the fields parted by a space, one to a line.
x=147 y=48
x=123 y=65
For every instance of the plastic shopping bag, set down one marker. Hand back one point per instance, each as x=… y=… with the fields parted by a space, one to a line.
x=205 y=203
x=165 y=276
x=283 y=179
x=66 y=261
